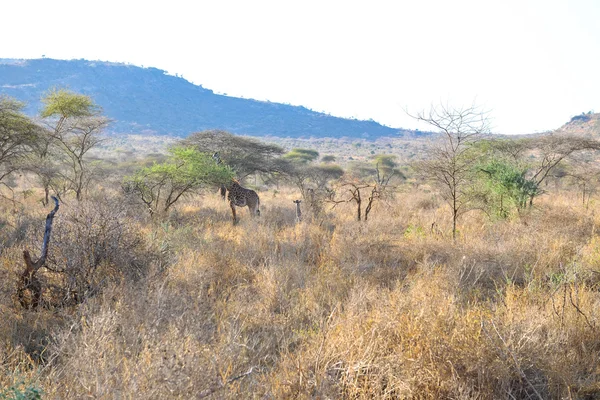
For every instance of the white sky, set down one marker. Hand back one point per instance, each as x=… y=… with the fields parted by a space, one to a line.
x=533 y=63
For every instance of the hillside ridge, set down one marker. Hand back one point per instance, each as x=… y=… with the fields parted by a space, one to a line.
x=148 y=100
x=585 y=124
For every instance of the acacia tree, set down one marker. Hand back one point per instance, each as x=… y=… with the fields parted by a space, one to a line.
x=18 y=135
x=161 y=185
x=302 y=156
x=75 y=126
x=541 y=156
x=365 y=184
x=245 y=156
x=451 y=161
x=381 y=169
x=310 y=178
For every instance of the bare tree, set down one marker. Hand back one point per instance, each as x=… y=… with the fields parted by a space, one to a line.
x=84 y=134
x=586 y=176
x=366 y=184
x=361 y=193
x=450 y=166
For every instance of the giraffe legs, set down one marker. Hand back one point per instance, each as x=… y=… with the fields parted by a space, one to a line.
x=232 y=205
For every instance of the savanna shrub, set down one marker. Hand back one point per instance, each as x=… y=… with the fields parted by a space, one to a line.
x=93 y=243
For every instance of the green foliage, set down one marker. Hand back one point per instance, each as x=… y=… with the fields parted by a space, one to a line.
x=328 y=159
x=413 y=231
x=21 y=391
x=302 y=156
x=18 y=135
x=190 y=167
x=63 y=103
x=10 y=107
x=386 y=168
x=385 y=160
x=160 y=185
x=15 y=127
x=332 y=170
x=506 y=186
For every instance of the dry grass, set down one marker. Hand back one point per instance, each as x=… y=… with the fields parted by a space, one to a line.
x=327 y=308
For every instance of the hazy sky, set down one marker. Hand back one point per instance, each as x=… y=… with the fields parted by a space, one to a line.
x=534 y=64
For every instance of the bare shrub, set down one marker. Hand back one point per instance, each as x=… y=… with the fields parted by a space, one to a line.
x=94 y=242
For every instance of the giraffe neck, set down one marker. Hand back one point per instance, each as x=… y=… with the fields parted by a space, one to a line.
x=232 y=185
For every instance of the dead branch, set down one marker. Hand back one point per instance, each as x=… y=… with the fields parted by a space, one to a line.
x=28 y=279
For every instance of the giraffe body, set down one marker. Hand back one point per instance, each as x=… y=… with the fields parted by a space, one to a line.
x=239 y=196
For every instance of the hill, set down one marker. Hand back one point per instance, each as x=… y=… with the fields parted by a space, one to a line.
x=149 y=101
x=586 y=124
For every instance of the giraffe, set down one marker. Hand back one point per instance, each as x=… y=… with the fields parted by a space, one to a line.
x=238 y=195
x=241 y=197
x=298 y=212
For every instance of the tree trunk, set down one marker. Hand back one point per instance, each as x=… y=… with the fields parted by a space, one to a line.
x=28 y=279
x=369 y=204
x=46 y=195
x=454 y=214
x=454 y=217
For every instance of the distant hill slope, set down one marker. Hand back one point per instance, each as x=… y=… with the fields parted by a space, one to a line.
x=147 y=100
x=587 y=124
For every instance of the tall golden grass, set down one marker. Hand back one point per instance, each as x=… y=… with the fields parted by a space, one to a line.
x=325 y=308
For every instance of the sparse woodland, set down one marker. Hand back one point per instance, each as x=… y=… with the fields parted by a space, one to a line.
x=472 y=273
